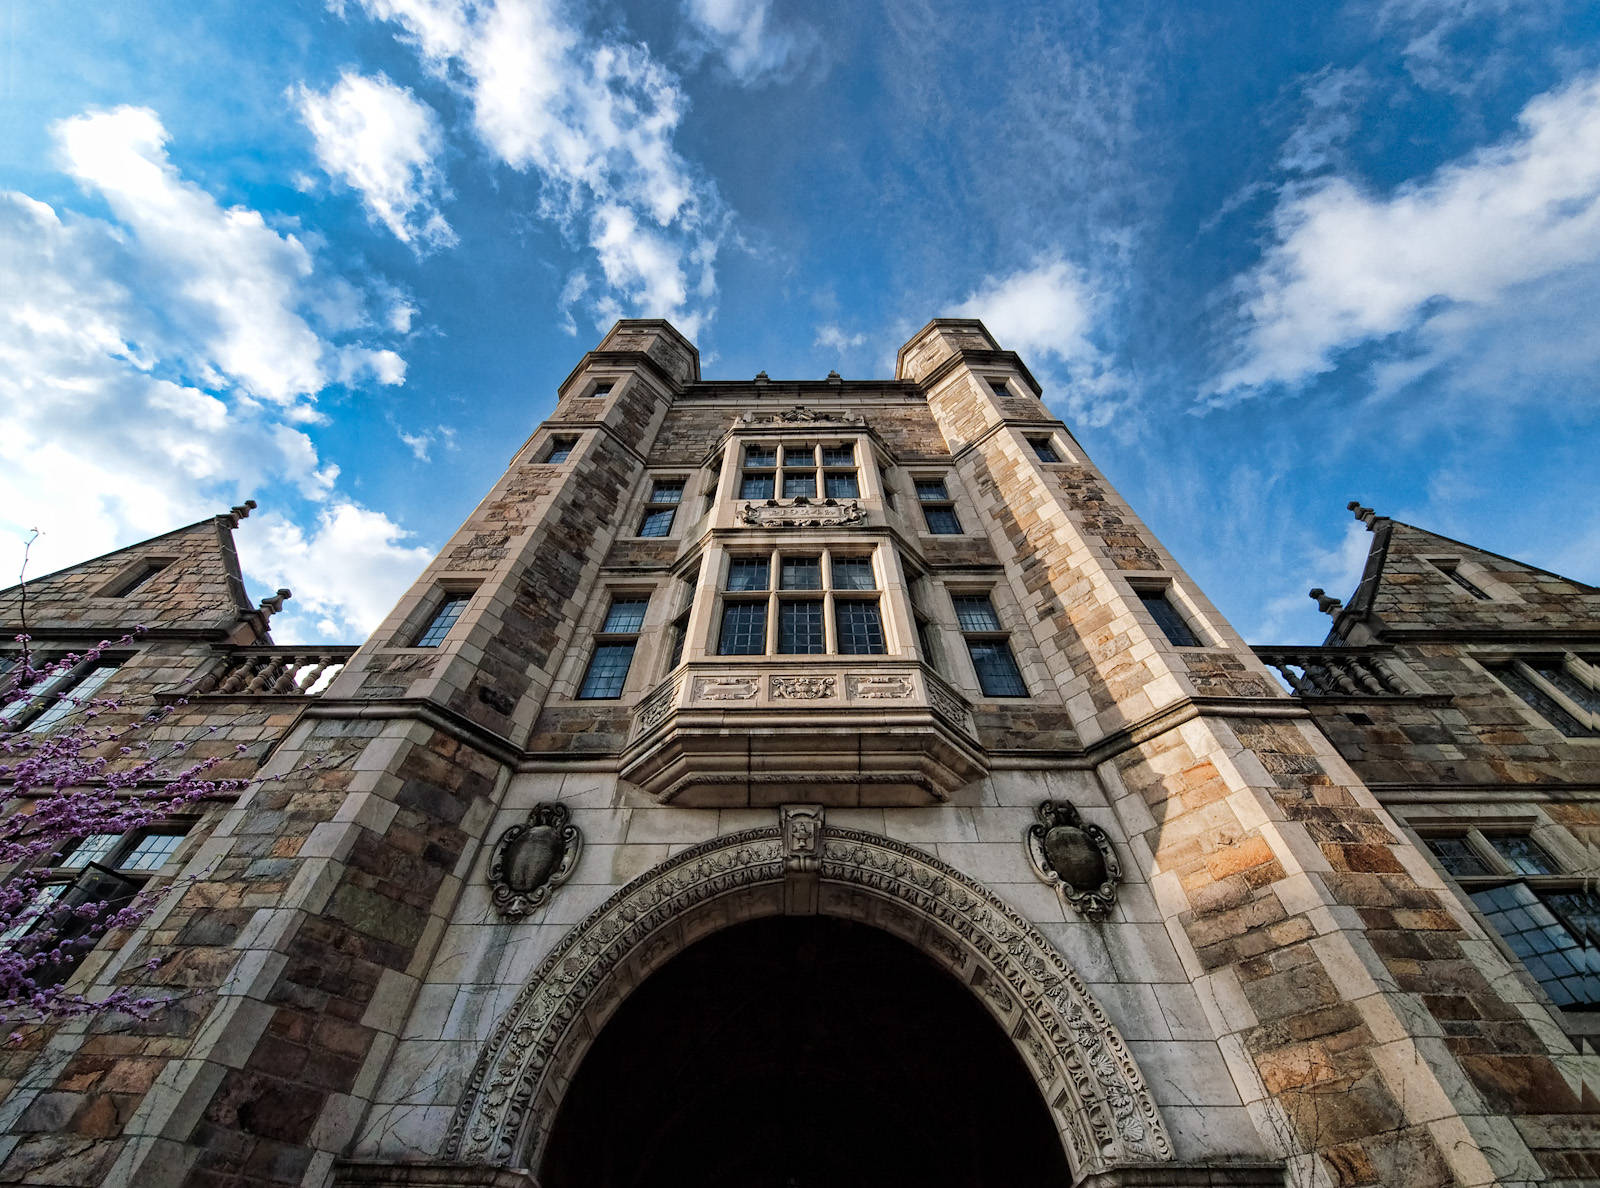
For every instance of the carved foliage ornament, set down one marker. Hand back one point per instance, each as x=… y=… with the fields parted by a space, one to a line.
x=531 y=860
x=1075 y=857
x=801 y=415
x=802 y=513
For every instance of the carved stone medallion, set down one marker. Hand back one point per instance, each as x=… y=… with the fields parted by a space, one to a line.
x=1075 y=857
x=531 y=860
x=803 y=688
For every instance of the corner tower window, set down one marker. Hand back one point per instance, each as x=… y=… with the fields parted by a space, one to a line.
x=937 y=507
x=613 y=649
x=443 y=619
x=662 y=508
x=1169 y=619
x=989 y=646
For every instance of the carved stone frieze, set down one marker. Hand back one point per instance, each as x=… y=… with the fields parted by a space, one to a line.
x=1075 y=857
x=887 y=686
x=654 y=709
x=801 y=415
x=531 y=860
x=1104 y=1109
x=802 y=688
x=725 y=688
x=947 y=704
x=802 y=513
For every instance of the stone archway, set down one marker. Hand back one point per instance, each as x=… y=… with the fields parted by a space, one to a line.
x=1096 y=1096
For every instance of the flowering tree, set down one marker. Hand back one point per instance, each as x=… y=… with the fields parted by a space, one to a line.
x=95 y=773
x=77 y=769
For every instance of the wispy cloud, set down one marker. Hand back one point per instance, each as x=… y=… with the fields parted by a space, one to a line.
x=1435 y=261
x=383 y=142
x=1048 y=313
x=595 y=119
x=750 y=43
x=161 y=365
x=835 y=339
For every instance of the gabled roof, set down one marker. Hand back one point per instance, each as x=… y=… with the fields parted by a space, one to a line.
x=188 y=578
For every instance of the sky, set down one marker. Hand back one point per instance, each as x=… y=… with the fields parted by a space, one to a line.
x=1265 y=258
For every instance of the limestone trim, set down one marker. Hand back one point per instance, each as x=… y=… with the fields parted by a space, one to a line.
x=1098 y=1099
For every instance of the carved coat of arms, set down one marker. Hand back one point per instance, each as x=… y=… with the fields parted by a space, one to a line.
x=531 y=860
x=1075 y=857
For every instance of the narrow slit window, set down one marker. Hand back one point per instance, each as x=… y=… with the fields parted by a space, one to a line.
x=1167 y=617
x=443 y=619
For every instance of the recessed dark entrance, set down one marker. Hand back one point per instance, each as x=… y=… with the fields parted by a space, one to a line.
x=802 y=1053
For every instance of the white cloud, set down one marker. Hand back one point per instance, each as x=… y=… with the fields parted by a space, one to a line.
x=595 y=120
x=1435 y=257
x=749 y=42
x=346 y=573
x=129 y=370
x=1047 y=314
x=382 y=141
x=232 y=284
x=835 y=339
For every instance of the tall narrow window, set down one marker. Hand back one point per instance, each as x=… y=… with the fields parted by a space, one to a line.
x=665 y=495
x=1167 y=617
x=443 y=619
x=937 y=507
x=1044 y=449
x=758 y=478
x=989 y=646
x=561 y=449
x=613 y=649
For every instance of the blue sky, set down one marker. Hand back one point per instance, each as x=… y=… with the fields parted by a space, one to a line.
x=1265 y=258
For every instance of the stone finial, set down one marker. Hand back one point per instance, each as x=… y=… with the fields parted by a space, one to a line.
x=835 y=378
x=271 y=606
x=1365 y=514
x=763 y=378
x=1325 y=604
x=241 y=511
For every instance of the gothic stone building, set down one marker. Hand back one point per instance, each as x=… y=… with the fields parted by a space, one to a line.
x=835 y=783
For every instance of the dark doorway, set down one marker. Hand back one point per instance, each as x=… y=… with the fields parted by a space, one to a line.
x=802 y=1053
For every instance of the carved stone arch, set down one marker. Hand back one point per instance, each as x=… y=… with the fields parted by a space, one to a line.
x=1096 y=1096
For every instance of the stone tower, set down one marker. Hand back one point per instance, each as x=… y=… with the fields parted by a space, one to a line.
x=805 y=783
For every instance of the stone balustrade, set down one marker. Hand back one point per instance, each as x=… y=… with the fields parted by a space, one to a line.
x=274 y=672
x=1337 y=672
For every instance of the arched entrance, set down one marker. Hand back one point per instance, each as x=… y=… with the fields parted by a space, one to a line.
x=796 y=1052
x=1080 y=1068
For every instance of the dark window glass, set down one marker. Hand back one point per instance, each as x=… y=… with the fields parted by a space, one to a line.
x=974 y=612
x=1543 y=704
x=841 y=484
x=1457 y=856
x=1168 y=619
x=799 y=455
x=760 y=456
x=756 y=486
x=1579 y=911
x=1558 y=675
x=931 y=490
x=443 y=619
x=679 y=633
x=800 y=627
x=608 y=669
x=561 y=449
x=139 y=579
x=1568 y=970
x=151 y=851
x=998 y=387
x=930 y=653
x=625 y=617
x=942 y=521
x=801 y=573
x=1523 y=854
x=1459 y=579
x=747 y=573
x=657 y=523
x=797 y=483
x=853 y=573
x=998 y=675
x=859 y=629
x=603 y=388
x=744 y=629
x=1043 y=449
x=838 y=455
x=667 y=492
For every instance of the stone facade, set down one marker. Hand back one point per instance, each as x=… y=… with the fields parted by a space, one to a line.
x=711 y=656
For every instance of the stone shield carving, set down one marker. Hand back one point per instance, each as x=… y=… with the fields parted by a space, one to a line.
x=1075 y=857
x=1082 y=1067
x=531 y=860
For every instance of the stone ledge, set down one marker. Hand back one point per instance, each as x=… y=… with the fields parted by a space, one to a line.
x=1187 y=1175
x=385 y=1173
